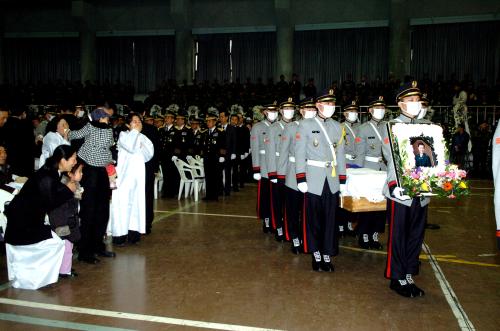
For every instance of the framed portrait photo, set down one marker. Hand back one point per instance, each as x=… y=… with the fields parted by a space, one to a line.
x=419 y=154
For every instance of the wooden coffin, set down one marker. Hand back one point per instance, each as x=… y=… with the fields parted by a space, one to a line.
x=361 y=205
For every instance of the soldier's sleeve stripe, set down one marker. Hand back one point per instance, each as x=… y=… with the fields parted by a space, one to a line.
x=497 y=141
x=256 y=168
x=386 y=140
x=357 y=140
x=281 y=177
x=342 y=176
x=274 y=173
x=498 y=233
x=301 y=175
x=392 y=183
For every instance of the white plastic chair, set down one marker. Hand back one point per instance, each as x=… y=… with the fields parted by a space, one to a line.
x=198 y=169
x=158 y=182
x=188 y=178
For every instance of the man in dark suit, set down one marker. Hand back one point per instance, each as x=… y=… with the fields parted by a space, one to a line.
x=230 y=148
x=243 y=150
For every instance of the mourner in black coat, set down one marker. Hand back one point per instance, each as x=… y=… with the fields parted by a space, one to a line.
x=42 y=193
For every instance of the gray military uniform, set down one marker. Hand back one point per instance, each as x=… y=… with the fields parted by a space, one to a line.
x=259 y=137
x=313 y=156
x=369 y=145
x=351 y=133
x=286 y=161
x=273 y=147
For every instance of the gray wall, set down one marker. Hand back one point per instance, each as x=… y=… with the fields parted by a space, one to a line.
x=126 y=15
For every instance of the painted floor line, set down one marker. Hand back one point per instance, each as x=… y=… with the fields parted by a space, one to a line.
x=440 y=258
x=204 y=214
x=175 y=211
x=131 y=316
x=460 y=314
x=56 y=323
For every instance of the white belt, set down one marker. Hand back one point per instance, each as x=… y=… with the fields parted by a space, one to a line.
x=277 y=153
x=350 y=157
x=321 y=164
x=262 y=151
x=291 y=159
x=373 y=159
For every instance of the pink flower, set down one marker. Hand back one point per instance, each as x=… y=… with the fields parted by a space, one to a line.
x=452 y=196
x=415 y=175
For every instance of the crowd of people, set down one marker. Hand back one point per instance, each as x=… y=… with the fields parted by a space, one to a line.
x=86 y=160
x=246 y=92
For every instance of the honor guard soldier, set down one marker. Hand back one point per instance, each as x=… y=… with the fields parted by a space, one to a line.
x=259 y=137
x=213 y=157
x=287 y=110
x=183 y=137
x=369 y=147
x=407 y=215
x=320 y=168
x=197 y=134
x=496 y=178
x=351 y=126
x=167 y=141
x=423 y=112
x=294 y=199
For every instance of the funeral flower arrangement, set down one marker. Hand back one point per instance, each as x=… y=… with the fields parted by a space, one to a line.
x=237 y=109
x=257 y=113
x=442 y=180
x=173 y=108
x=193 y=111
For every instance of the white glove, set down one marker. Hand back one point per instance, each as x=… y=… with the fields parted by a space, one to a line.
x=221 y=159
x=399 y=194
x=342 y=189
x=174 y=158
x=233 y=156
x=257 y=176
x=274 y=181
x=246 y=155
x=189 y=158
x=242 y=157
x=302 y=187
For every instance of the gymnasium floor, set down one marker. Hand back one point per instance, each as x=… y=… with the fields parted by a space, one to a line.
x=208 y=265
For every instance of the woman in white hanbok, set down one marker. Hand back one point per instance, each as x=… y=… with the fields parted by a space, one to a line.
x=128 y=206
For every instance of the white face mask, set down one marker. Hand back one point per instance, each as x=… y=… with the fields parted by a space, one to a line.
x=328 y=111
x=310 y=114
x=413 y=107
x=352 y=116
x=272 y=116
x=378 y=113
x=422 y=113
x=80 y=113
x=288 y=114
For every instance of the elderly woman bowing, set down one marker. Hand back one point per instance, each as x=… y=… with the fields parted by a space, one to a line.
x=128 y=212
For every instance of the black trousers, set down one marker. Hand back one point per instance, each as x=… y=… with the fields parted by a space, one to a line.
x=150 y=193
x=227 y=176
x=171 y=178
x=94 y=210
x=235 y=175
x=319 y=222
x=277 y=203
x=406 y=234
x=371 y=222
x=294 y=200
x=264 y=199
x=213 y=174
x=243 y=172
